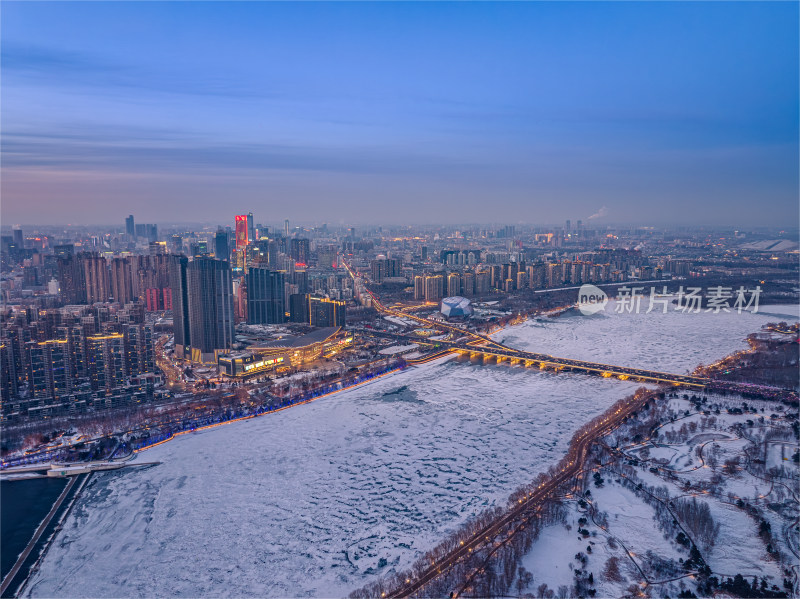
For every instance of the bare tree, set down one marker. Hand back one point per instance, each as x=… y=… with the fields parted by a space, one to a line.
x=524 y=580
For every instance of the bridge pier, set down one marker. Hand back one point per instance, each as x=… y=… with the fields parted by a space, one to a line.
x=476 y=357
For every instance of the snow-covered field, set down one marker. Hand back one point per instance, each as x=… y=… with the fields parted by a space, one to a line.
x=319 y=499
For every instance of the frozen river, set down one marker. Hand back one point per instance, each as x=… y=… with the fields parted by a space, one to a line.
x=319 y=499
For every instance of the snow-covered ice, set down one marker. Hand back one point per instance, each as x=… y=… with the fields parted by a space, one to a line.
x=322 y=498
x=673 y=342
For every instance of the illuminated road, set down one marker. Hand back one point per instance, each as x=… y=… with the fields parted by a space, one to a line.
x=544 y=361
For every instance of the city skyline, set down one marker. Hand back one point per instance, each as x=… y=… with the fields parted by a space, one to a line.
x=651 y=114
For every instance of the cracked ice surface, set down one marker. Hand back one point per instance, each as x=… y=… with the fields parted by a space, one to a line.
x=319 y=499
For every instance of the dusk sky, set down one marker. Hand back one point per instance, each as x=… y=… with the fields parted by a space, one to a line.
x=648 y=113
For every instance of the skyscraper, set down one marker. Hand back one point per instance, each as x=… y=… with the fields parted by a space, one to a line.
x=265 y=296
x=286 y=228
x=241 y=231
x=251 y=228
x=180 y=303
x=210 y=291
x=221 y=245
x=130 y=227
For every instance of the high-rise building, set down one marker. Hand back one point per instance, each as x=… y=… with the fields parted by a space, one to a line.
x=482 y=282
x=298 y=307
x=378 y=270
x=434 y=288
x=95 y=276
x=419 y=287
x=383 y=267
x=157 y=248
x=49 y=368
x=241 y=231
x=180 y=303
x=19 y=240
x=222 y=245
x=106 y=361
x=251 y=228
x=122 y=281
x=265 y=296
x=147 y=231
x=139 y=354
x=324 y=312
x=468 y=284
x=286 y=228
x=300 y=278
x=210 y=291
x=300 y=250
x=130 y=227
x=70 y=280
x=453 y=284
x=176 y=243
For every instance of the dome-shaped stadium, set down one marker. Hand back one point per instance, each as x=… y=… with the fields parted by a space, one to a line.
x=456 y=306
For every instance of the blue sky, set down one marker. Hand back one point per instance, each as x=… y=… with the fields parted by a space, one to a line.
x=400 y=112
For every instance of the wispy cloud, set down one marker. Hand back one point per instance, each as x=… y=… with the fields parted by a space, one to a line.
x=63 y=68
x=162 y=150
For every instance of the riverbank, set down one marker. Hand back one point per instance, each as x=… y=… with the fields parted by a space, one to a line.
x=149 y=443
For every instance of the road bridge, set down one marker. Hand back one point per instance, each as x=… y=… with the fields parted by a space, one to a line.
x=500 y=354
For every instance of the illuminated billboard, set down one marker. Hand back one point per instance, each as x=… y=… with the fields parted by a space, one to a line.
x=241 y=231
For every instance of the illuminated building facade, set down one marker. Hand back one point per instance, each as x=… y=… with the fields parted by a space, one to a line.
x=241 y=231
x=289 y=352
x=324 y=312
